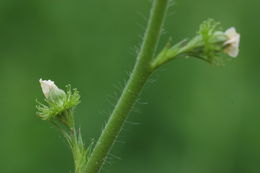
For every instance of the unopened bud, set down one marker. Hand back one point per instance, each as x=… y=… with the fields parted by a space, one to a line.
x=51 y=91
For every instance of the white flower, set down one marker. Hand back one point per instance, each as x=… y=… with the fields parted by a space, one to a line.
x=232 y=43
x=49 y=89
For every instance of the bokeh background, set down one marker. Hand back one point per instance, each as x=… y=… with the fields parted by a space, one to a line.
x=198 y=118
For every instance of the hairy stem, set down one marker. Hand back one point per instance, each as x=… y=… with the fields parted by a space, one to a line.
x=141 y=72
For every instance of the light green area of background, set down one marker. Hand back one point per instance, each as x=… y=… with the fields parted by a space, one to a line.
x=199 y=118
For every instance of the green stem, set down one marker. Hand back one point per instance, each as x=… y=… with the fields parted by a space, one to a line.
x=73 y=137
x=141 y=72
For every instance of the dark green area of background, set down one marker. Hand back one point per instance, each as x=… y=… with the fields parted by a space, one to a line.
x=199 y=118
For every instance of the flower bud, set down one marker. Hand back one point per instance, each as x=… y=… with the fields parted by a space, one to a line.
x=58 y=101
x=51 y=92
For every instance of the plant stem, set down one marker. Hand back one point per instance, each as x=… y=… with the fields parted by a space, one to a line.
x=141 y=72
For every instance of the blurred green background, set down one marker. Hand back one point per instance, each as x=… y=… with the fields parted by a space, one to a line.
x=199 y=118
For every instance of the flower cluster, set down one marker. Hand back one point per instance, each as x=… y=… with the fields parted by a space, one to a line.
x=207 y=45
x=211 y=42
